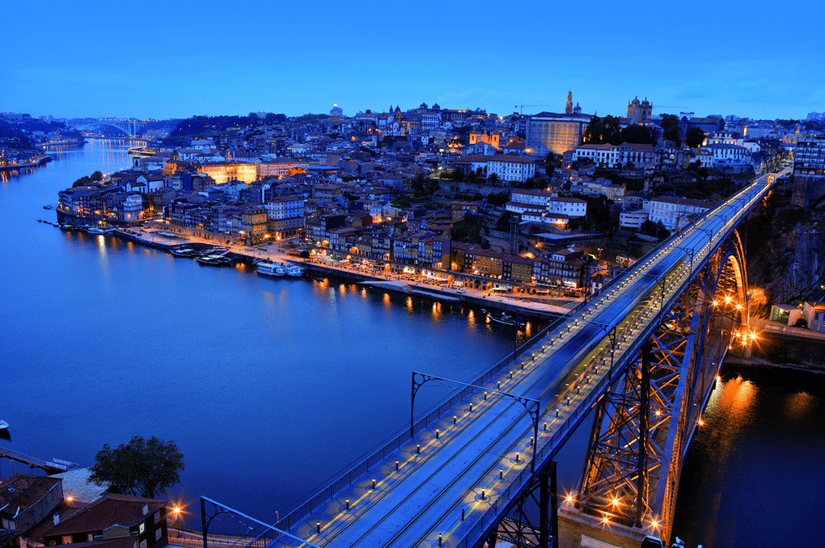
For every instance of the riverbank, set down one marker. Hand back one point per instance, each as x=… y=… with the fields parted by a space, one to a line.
x=167 y=237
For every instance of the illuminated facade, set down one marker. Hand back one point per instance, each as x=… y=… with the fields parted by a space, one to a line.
x=254 y=224
x=558 y=133
x=223 y=171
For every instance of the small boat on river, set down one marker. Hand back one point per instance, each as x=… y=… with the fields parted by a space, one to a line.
x=294 y=270
x=219 y=259
x=267 y=268
x=183 y=252
x=506 y=320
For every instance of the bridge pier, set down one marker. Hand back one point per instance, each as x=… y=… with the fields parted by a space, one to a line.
x=577 y=529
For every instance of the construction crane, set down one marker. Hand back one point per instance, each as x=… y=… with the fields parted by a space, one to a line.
x=528 y=106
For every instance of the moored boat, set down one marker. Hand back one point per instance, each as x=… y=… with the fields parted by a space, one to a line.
x=3 y=424
x=214 y=260
x=268 y=268
x=183 y=252
x=294 y=271
x=506 y=320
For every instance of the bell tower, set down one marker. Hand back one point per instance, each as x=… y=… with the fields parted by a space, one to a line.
x=568 y=109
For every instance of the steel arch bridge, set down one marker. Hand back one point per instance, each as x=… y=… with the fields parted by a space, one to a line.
x=644 y=354
x=127 y=127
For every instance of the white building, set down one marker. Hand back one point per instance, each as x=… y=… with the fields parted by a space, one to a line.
x=605 y=155
x=511 y=167
x=676 y=213
x=632 y=219
x=724 y=153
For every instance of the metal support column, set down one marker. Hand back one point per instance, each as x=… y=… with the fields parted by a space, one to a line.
x=644 y=435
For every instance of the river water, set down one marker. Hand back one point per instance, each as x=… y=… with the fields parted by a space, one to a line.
x=270 y=386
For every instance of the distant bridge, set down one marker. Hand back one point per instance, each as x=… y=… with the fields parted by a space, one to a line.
x=643 y=355
x=128 y=126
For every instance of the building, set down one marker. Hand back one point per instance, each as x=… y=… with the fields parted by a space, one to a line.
x=25 y=501
x=632 y=219
x=113 y=516
x=254 y=224
x=222 y=172
x=809 y=170
x=557 y=133
x=281 y=167
x=547 y=131
x=285 y=216
x=511 y=167
x=809 y=157
x=676 y=213
x=638 y=112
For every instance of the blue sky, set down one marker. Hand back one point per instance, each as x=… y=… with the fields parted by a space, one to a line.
x=181 y=58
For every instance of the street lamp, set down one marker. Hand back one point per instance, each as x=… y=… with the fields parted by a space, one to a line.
x=176 y=512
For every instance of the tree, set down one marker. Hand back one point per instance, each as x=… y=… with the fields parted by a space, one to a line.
x=492 y=179
x=141 y=468
x=694 y=137
x=603 y=130
x=550 y=164
x=634 y=133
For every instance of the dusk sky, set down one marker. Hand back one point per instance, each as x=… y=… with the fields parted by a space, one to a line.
x=181 y=58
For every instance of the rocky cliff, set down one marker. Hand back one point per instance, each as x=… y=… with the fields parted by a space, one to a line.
x=785 y=245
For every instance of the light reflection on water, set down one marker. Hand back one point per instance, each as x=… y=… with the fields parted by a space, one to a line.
x=753 y=474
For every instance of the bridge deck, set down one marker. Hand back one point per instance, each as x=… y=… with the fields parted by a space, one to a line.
x=457 y=483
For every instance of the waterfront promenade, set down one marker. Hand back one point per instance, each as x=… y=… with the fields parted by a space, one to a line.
x=166 y=237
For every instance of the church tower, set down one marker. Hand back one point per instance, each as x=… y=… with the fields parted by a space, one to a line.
x=568 y=109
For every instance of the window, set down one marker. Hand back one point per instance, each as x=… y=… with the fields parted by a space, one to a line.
x=66 y=539
x=90 y=537
x=142 y=527
x=157 y=516
x=158 y=534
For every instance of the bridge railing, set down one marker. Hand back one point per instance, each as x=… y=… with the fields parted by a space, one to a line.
x=440 y=409
x=490 y=517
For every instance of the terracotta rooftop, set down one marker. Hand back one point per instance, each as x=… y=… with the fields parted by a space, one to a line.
x=22 y=491
x=107 y=511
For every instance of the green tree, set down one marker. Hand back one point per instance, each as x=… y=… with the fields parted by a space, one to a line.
x=603 y=130
x=141 y=468
x=96 y=176
x=550 y=162
x=694 y=137
x=492 y=179
x=634 y=133
x=669 y=121
x=674 y=134
x=466 y=231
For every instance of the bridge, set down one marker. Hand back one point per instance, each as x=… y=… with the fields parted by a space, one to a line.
x=128 y=126
x=643 y=355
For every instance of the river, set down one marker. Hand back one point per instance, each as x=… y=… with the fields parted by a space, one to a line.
x=269 y=386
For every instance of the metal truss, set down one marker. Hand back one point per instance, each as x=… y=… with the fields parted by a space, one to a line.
x=532 y=521
x=644 y=422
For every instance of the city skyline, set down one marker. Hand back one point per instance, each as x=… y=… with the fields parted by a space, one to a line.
x=157 y=62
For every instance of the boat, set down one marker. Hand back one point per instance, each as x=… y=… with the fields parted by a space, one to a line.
x=183 y=252
x=214 y=259
x=505 y=319
x=95 y=230
x=3 y=424
x=294 y=271
x=270 y=269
